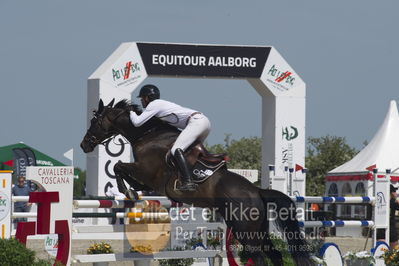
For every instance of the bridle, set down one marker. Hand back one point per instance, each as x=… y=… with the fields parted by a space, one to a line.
x=93 y=140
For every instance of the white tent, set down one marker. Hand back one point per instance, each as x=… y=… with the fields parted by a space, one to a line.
x=382 y=152
x=354 y=178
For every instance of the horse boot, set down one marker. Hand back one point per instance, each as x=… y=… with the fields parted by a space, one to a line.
x=185 y=176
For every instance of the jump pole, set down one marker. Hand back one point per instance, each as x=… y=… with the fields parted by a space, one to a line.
x=380 y=203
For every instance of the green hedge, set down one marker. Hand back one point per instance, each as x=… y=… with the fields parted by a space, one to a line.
x=14 y=253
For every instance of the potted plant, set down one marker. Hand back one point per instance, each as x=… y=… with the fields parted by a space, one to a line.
x=391 y=257
x=143 y=249
x=176 y=262
x=362 y=258
x=213 y=242
x=100 y=248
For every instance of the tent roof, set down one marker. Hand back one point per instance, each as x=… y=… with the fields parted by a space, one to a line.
x=42 y=159
x=382 y=151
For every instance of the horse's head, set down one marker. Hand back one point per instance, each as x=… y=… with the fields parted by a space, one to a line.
x=103 y=125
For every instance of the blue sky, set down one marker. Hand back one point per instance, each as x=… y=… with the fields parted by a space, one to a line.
x=345 y=51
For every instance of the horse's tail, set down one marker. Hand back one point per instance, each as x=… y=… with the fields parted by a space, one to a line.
x=286 y=223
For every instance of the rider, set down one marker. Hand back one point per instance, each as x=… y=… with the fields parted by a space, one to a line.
x=194 y=125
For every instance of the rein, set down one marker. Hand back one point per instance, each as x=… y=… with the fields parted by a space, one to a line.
x=94 y=140
x=112 y=133
x=149 y=131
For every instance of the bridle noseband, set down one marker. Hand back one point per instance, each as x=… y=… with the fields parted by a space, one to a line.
x=93 y=140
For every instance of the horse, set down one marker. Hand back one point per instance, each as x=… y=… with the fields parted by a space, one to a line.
x=243 y=206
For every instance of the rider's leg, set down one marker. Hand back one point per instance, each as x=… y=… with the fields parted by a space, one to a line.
x=197 y=128
x=185 y=175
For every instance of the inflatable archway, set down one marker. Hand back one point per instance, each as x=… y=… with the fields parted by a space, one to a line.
x=282 y=90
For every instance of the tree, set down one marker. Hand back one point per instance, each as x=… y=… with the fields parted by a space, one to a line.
x=79 y=184
x=322 y=155
x=244 y=153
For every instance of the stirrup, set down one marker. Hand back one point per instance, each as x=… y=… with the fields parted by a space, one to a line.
x=187 y=187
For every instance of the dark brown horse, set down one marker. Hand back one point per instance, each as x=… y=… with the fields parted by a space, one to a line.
x=242 y=205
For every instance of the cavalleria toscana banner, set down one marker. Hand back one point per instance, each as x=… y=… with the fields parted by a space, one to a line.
x=57 y=179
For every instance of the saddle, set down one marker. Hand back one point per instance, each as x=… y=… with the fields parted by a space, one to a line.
x=201 y=162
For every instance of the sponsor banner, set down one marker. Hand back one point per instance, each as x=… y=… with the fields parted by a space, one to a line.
x=280 y=78
x=51 y=244
x=101 y=161
x=5 y=204
x=290 y=140
x=250 y=174
x=56 y=178
x=31 y=156
x=382 y=200
x=20 y=162
x=123 y=70
x=203 y=60
x=108 y=156
x=111 y=152
x=44 y=163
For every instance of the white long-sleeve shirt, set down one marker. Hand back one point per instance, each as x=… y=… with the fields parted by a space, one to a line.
x=172 y=113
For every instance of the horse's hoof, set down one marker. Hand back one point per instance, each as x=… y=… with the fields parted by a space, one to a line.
x=131 y=194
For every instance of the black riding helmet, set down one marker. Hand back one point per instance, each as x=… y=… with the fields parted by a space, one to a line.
x=149 y=90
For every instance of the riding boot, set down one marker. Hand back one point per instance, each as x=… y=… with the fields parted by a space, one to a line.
x=185 y=177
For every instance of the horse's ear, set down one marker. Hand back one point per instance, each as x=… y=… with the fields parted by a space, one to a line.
x=111 y=103
x=100 y=106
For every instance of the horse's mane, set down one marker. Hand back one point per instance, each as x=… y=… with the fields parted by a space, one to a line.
x=128 y=106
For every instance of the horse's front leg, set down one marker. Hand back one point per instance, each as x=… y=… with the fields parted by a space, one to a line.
x=125 y=171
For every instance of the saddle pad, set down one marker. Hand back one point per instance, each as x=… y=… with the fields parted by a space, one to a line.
x=202 y=171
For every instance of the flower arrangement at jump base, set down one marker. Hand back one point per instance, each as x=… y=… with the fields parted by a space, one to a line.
x=213 y=242
x=100 y=248
x=362 y=258
x=176 y=262
x=390 y=256
x=143 y=249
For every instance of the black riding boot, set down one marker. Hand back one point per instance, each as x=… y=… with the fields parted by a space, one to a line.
x=185 y=177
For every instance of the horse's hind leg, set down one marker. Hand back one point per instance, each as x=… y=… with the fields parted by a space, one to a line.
x=124 y=171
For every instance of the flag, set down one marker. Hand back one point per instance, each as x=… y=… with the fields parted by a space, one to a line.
x=371 y=167
x=9 y=163
x=69 y=155
x=298 y=167
x=20 y=162
x=30 y=155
